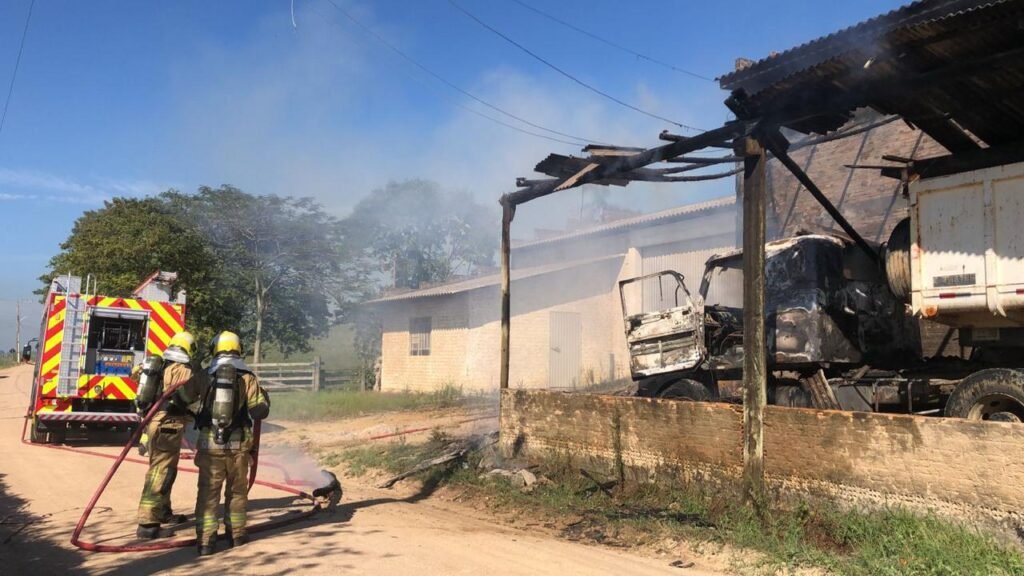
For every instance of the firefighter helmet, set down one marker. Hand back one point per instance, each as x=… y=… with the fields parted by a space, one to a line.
x=185 y=341
x=226 y=343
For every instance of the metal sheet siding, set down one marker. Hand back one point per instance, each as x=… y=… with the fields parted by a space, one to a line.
x=565 y=350
x=667 y=257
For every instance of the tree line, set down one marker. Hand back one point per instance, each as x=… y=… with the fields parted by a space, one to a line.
x=281 y=270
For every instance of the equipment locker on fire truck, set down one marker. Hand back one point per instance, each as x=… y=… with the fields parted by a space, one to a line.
x=89 y=345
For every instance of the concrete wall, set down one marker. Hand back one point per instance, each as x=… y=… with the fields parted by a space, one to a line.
x=465 y=341
x=967 y=470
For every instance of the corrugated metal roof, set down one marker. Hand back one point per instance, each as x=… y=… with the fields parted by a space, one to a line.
x=967 y=49
x=478 y=282
x=642 y=220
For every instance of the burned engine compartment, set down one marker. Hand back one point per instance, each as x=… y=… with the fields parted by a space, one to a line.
x=826 y=304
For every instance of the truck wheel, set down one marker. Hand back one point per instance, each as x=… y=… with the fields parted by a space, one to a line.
x=685 y=389
x=897 y=260
x=995 y=394
x=37 y=436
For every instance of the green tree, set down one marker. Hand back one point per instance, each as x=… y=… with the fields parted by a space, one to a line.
x=129 y=238
x=282 y=256
x=415 y=233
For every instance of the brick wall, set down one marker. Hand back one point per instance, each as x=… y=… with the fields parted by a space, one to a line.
x=445 y=365
x=966 y=470
x=871 y=203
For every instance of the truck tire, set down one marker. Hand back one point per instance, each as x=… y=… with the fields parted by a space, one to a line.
x=37 y=436
x=685 y=389
x=897 y=260
x=995 y=394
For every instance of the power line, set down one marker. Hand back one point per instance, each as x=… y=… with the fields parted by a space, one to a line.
x=612 y=44
x=568 y=75
x=453 y=86
x=17 y=63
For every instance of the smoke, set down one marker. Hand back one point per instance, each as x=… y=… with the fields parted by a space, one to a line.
x=293 y=467
x=322 y=112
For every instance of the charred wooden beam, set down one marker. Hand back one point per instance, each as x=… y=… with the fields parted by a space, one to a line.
x=618 y=166
x=776 y=143
x=957 y=163
x=704 y=160
x=670 y=137
x=523 y=182
x=943 y=130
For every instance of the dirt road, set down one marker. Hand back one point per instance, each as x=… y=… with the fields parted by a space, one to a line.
x=373 y=532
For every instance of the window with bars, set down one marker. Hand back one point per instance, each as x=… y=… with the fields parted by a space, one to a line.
x=419 y=336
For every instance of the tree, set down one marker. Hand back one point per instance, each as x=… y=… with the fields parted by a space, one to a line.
x=416 y=233
x=283 y=254
x=128 y=239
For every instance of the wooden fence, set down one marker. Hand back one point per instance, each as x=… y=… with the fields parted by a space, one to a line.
x=286 y=376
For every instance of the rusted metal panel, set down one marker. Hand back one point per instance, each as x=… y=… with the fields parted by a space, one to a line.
x=922 y=58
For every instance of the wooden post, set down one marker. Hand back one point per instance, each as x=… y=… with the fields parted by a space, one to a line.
x=507 y=213
x=316 y=374
x=754 y=349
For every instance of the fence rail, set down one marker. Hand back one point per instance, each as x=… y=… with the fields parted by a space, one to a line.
x=287 y=376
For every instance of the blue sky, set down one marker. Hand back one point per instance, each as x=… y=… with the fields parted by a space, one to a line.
x=131 y=98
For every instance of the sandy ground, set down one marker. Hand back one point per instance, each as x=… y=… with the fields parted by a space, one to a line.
x=375 y=532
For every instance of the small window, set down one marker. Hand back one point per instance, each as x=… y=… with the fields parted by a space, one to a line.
x=419 y=336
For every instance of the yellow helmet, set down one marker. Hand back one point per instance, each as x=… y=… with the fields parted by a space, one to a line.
x=185 y=341
x=226 y=343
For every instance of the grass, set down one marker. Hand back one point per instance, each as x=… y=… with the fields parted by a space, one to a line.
x=332 y=404
x=841 y=541
x=6 y=361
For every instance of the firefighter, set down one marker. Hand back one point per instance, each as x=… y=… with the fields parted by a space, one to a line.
x=162 y=436
x=231 y=403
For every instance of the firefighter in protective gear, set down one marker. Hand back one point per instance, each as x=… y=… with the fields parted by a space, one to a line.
x=162 y=436
x=231 y=402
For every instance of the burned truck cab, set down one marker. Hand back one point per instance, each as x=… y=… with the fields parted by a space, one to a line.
x=828 y=307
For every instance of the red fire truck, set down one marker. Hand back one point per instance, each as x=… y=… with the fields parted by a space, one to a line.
x=88 y=346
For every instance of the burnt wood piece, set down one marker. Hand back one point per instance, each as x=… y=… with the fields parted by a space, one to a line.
x=957 y=163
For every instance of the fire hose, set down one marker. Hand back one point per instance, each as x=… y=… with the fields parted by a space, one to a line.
x=123 y=456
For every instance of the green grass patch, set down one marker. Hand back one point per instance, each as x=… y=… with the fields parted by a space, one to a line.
x=331 y=404
x=6 y=361
x=846 y=542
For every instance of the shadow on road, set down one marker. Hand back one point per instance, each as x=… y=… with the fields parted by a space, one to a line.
x=322 y=538
x=24 y=548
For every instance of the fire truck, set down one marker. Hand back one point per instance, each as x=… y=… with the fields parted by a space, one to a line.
x=88 y=346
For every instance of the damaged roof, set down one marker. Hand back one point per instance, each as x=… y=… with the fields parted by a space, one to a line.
x=954 y=68
x=641 y=220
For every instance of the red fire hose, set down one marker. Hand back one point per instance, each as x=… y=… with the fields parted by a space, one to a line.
x=94 y=547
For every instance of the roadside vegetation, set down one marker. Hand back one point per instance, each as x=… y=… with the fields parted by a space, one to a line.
x=331 y=404
x=846 y=542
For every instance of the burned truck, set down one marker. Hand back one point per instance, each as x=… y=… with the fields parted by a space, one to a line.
x=842 y=331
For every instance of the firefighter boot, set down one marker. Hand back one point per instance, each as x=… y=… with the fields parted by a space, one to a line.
x=152 y=532
x=233 y=541
x=205 y=550
x=171 y=518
